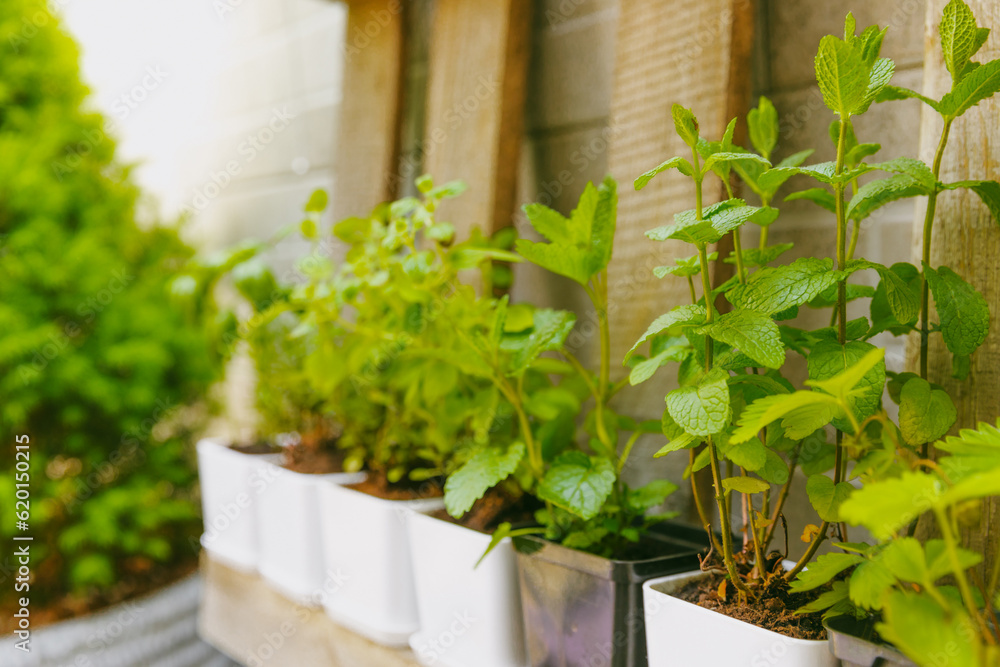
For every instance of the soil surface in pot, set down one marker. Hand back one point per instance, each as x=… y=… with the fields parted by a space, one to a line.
x=139 y=577
x=495 y=507
x=259 y=447
x=376 y=484
x=313 y=460
x=774 y=611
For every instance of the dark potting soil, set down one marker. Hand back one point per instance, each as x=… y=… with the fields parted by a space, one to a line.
x=495 y=507
x=259 y=447
x=377 y=485
x=312 y=460
x=775 y=609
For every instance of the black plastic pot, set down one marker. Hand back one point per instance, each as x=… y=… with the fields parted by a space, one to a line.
x=581 y=610
x=856 y=644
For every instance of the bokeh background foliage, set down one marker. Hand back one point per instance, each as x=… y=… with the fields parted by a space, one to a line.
x=96 y=366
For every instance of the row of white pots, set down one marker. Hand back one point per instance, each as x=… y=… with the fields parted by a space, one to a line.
x=390 y=572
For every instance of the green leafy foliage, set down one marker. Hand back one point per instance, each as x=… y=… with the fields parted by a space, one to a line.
x=578 y=483
x=925 y=413
x=99 y=365
x=483 y=471
x=702 y=409
x=965 y=316
x=774 y=289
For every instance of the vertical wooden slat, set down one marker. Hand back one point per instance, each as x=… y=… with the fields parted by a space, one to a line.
x=370 y=110
x=967 y=240
x=475 y=112
x=691 y=52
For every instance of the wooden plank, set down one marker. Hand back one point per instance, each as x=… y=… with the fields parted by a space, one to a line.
x=691 y=52
x=251 y=623
x=965 y=239
x=371 y=107
x=475 y=106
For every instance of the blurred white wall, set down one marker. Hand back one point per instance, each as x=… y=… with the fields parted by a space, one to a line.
x=228 y=106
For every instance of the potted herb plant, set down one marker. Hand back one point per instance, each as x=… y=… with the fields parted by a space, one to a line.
x=881 y=601
x=733 y=397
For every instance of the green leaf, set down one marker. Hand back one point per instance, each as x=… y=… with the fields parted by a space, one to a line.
x=702 y=409
x=686 y=315
x=819 y=196
x=964 y=314
x=854 y=371
x=308 y=228
x=911 y=167
x=644 y=370
x=717 y=220
x=774 y=289
x=548 y=333
x=891 y=93
x=762 y=123
x=903 y=300
x=836 y=595
x=823 y=569
x=869 y=583
x=729 y=157
x=753 y=333
x=925 y=414
x=920 y=628
x=841 y=75
x=487 y=468
x=886 y=506
x=581 y=246
x=686 y=124
x=754 y=257
x=650 y=495
x=972 y=451
x=981 y=84
x=960 y=38
x=875 y=194
x=578 y=483
x=317 y=202
x=678 y=163
x=988 y=191
x=745 y=485
x=750 y=455
x=827 y=497
x=801 y=413
x=504 y=531
x=775 y=469
x=904 y=558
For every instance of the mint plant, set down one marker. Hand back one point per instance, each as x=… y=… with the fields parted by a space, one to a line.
x=572 y=466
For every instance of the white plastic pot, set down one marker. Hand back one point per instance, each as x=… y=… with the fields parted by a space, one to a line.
x=682 y=633
x=469 y=616
x=230 y=485
x=291 y=558
x=366 y=554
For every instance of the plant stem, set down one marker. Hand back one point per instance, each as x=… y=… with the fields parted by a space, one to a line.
x=839 y=461
x=764 y=202
x=782 y=496
x=926 y=257
x=694 y=295
x=810 y=552
x=702 y=514
x=944 y=523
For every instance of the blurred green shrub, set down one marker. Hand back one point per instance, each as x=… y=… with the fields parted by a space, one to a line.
x=96 y=366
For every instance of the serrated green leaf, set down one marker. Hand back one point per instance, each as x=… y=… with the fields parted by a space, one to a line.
x=745 y=485
x=578 y=483
x=548 y=333
x=981 y=84
x=988 y=191
x=678 y=163
x=819 y=196
x=919 y=628
x=869 y=584
x=686 y=124
x=650 y=495
x=911 y=167
x=823 y=569
x=891 y=93
x=801 y=413
x=689 y=315
x=487 y=468
x=836 y=595
x=964 y=313
x=925 y=414
x=960 y=38
x=730 y=157
x=904 y=558
x=774 y=289
x=827 y=497
x=762 y=123
x=886 y=506
x=644 y=370
x=753 y=333
x=754 y=257
x=903 y=300
x=841 y=75
x=750 y=455
x=875 y=194
x=702 y=409
x=775 y=469
x=854 y=371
